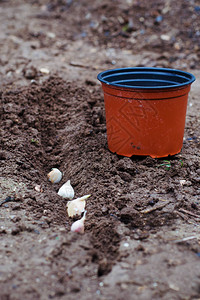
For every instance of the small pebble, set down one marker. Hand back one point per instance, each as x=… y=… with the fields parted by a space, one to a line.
x=14 y=286
x=44 y=70
x=183 y=182
x=51 y=35
x=98 y=292
x=38 y=188
x=155 y=284
x=62 y=229
x=101 y=284
x=165 y=37
x=151 y=202
x=173 y=287
x=198 y=171
x=158 y=19
x=104 y=209
x=124 y=286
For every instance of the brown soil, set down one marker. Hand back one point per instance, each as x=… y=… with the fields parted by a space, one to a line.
x=141 y=237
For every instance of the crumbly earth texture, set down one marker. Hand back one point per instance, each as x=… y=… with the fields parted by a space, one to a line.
x=141 y=237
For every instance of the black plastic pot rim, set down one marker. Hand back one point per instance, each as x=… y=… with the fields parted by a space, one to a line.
x=146 y=78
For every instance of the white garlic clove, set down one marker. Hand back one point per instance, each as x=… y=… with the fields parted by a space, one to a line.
x=55 y=175
x=78 y=226
x=77 y=206
x=66 y=190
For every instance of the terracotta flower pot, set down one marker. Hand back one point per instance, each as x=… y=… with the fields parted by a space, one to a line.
x=145 y=110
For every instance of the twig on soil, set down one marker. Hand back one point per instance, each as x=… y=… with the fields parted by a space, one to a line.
x=195 y=224
x=186 y=239
x=189 y=213
x=79 y=65
x=182 y=215
x=146 y=211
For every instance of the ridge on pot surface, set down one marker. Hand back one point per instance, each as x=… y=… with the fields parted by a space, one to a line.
x=145 y=110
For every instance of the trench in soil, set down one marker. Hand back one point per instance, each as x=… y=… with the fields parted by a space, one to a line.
x=64 y=126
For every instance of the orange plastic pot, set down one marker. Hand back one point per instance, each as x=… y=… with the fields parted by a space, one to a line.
x=145 y=110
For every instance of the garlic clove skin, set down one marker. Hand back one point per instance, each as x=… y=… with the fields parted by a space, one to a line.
x=66 y=190
x=55 y=175
x=77 y=206
x=79 y=225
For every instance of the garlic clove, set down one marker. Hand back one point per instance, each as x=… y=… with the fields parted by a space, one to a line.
x=66 y=190
x=77 y=206
x=78 y=226
x=55 y=175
